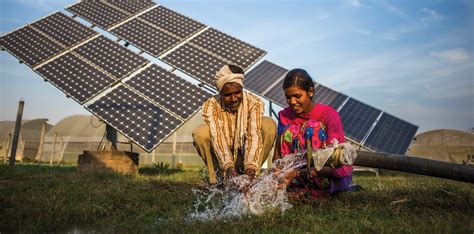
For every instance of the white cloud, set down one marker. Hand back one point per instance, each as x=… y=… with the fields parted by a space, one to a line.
x=452 y=55
x=430 y=15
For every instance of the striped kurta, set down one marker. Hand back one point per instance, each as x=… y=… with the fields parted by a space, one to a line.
x=223 y=125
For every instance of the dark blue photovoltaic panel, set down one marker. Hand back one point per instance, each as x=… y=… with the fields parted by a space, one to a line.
x=328 y=96
x=135 y=117
x=170 y=91
x=277 y=95
x=30 y=46
x=173 y=22
x=263 y=76
x=64 y=30
x=357 y=119
x=195 y=62
x=111 y=57
x=146 y=37
x=98 y=13
x=230 y=48
x=391 y=135
x=75 y=77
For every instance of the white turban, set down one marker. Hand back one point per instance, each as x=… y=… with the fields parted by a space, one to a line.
x=225 y=75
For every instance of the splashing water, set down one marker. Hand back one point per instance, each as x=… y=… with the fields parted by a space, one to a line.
x=239 y=196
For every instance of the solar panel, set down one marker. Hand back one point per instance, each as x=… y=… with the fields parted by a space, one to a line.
x=263 y=76
x=98 y=13
x=145 y=37
x=172 y=22
x=391 y=135
x=133 y=6
x=135 y=117
x=30 y=46
x=195 y=62
x=328 y=96
x=357 y=119
x=277 y=95
x=170 y=91
x=75 y=77
x=64 y=30
x=228 y=47
x=114 y=59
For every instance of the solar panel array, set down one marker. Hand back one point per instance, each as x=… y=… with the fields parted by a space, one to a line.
x=146 y=103
x=363 y=124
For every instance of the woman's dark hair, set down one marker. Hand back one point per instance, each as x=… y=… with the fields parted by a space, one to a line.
x=235 y=69
x=298 y=77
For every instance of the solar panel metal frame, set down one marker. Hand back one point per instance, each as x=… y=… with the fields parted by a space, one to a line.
x=153 y=17
x=206 y=74
x=264 y=71
x=20 y=43
x=350 y=112
x=384 y=126
x=155 y=78
x=40 y=71
x=135 y=40
x=121 y=68
x=150 y=145
x=91 y=19
x=67 y=26
x=229 y=43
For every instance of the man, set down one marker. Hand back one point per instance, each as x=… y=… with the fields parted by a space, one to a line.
x=236 y=138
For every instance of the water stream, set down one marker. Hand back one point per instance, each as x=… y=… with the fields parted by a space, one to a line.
x=239 y=196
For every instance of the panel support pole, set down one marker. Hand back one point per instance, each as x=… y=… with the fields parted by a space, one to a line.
x=16 y=133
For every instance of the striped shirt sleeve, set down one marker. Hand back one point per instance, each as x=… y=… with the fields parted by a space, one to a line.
x=254 y=141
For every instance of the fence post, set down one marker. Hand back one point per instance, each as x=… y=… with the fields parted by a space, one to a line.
x=60 y=150
x=153 y=156
x=54 y=149
x=39 y=154
x=7 y=152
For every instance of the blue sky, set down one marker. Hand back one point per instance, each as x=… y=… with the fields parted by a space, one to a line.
x=412 y=59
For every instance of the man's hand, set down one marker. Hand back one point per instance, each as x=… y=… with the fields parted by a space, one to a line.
x=231 y=172
x=250 y=173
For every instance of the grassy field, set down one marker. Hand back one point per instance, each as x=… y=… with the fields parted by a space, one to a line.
x=38 y=199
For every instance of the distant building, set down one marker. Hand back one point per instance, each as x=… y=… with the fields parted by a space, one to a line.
x=445 y=145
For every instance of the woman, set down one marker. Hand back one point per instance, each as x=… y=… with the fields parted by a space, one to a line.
x=306 y=123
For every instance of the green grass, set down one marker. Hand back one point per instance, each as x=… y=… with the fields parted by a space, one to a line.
x=37 y=199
